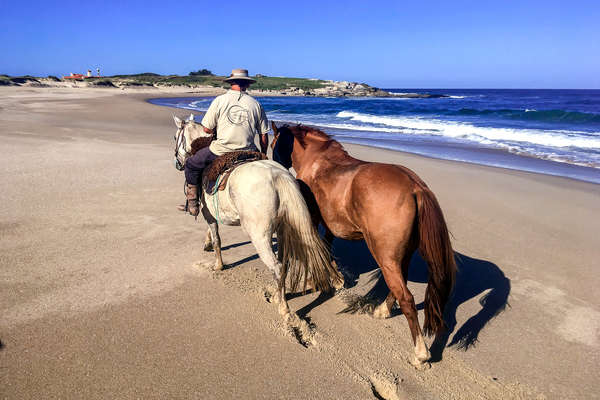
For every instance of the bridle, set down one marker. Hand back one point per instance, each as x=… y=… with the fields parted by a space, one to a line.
x=180 y=142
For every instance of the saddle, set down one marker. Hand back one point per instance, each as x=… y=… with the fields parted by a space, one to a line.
x=220 y=169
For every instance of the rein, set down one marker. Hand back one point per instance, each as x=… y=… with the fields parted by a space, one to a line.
x=180 y=141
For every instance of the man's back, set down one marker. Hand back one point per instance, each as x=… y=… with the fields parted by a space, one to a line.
x=238 y=117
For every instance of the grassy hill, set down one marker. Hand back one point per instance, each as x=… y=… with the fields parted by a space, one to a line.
x=262 y=82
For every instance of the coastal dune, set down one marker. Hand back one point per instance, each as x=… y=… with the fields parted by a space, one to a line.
x=105 y=290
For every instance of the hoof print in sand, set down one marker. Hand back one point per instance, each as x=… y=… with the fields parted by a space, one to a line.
x=267 y=295
x=385 y=386
x=205 y=267
x=302 y=331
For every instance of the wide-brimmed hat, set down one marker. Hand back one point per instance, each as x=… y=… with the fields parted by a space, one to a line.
x=239 y=75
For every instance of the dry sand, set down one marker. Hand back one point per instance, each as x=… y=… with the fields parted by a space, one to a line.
x=105 y=291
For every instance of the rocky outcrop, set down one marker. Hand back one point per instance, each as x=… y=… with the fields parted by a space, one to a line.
x=352 y=89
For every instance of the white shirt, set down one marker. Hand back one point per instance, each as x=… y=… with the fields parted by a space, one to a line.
x=238 y=117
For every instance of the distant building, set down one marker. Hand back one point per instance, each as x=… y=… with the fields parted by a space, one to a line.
x=75 y=77
x=80 y=77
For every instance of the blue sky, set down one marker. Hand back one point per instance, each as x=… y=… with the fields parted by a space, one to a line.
x=427 y=44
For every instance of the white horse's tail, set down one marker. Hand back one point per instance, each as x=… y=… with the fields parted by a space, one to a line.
x=304 y=253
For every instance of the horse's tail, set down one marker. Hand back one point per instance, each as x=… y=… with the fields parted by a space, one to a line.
x=435 y=248
x=304 y=253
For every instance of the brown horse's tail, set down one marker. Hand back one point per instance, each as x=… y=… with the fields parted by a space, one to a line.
x=436 y=250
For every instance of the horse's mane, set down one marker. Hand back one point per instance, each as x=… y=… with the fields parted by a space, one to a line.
x=305 y=133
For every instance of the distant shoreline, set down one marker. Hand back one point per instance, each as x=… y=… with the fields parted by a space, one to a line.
x=264 y=86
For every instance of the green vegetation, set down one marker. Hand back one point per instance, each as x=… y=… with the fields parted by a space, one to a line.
x=195 y=80
x=102 y=83
x=205 y=78
x=279 y=83
x=203 y=71
x=6 y=80
x=201 y=77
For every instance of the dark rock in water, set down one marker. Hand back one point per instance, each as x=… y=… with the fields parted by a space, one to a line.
x=354 y=89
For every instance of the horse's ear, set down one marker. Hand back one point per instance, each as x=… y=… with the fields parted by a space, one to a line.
x=178 y=121
x=275 y=131
x=191 y=118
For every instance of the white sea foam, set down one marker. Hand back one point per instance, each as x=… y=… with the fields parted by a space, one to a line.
x=551 y=138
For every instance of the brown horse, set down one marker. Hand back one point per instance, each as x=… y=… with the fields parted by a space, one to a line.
x=389 y=207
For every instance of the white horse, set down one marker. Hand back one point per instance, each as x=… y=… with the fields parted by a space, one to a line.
x=264 y=198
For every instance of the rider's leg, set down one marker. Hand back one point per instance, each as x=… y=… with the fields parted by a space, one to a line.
x=194 y=166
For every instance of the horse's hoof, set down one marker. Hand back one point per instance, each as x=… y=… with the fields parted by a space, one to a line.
x=287 y=318
x=285 y=313
x=338 y=284
x=420 y=365
x=208 y=247
x=381 y=312
x=218 y=267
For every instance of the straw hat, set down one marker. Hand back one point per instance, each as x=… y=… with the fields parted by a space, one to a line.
x=239 y=75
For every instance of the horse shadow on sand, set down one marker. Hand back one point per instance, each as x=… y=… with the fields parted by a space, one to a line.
x=474 y=278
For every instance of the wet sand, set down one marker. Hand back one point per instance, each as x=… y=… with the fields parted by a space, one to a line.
x=105 y=290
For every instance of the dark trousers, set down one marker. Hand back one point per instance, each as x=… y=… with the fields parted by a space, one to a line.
x=194 y=166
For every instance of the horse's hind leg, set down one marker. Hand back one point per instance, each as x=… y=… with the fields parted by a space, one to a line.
x=262 y=243
x=392 y=272
x=338 y=281
x=384 y=310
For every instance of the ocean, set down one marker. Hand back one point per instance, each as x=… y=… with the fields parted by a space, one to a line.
x=555 y=132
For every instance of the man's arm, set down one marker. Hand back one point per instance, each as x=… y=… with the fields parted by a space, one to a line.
x=209 y=121
x=263 y=127
x=264 y=143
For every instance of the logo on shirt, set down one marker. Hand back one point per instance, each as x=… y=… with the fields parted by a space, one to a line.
x=237 y=115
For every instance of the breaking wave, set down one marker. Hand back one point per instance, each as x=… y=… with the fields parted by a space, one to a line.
x=551 y=138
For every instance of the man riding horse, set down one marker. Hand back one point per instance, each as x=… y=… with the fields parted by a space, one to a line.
x=237 y=118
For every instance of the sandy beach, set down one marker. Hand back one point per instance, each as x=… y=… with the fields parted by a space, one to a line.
x=105 y=291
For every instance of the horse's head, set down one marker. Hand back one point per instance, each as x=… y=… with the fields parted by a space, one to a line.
x=187 y=131
x=282 y=145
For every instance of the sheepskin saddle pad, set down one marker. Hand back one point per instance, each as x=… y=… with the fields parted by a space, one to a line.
x=220 y=169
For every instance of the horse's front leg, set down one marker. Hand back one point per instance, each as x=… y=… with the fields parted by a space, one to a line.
x=208 y=244
x=214 y=229
x=216 y=239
